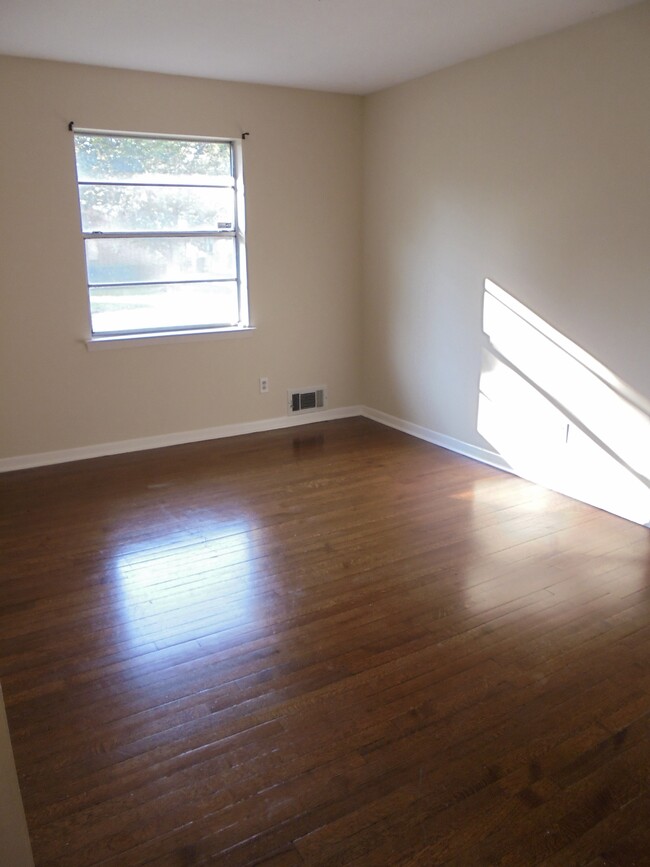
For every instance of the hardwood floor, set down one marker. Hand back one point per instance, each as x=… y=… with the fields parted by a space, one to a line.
x=328 y=645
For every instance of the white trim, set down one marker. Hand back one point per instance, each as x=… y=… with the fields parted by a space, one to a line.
x=484 y=456
x=111 y=133
x=23 y=462
x=476 y=453
x=438 y=439
x=143 y=339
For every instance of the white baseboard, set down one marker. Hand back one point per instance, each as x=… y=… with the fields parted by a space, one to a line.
x=438 y=439
x=23 y=462
x=484 y=456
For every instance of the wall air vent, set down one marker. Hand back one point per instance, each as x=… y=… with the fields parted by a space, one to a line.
x=307 y=399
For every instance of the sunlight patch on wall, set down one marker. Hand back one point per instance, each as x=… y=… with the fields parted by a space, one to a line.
x=558 y=416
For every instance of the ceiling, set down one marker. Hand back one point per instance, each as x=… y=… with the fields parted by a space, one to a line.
x=348 y=46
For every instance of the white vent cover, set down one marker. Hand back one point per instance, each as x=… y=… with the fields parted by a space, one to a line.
x=307 y=399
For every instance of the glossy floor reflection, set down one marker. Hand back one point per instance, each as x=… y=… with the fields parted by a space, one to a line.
x=175 y=585
x=328 y=645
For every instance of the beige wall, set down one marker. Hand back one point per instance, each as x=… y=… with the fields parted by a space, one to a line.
x=531 y=167
x=15 y=847
x=302 y=169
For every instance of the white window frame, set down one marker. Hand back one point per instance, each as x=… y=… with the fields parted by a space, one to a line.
x=181 y=333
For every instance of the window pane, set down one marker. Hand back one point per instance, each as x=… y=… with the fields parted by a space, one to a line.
x=156 y=209
x=176 y=305
x=160 y=260
x=139 y=188
x=119 y=158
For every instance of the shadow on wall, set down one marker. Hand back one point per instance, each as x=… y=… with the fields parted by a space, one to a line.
x=557 y=416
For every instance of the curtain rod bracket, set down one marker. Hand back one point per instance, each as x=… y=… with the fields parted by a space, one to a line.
x=244 y=135
x=71 y=126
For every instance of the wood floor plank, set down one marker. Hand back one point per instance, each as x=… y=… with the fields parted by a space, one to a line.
x=324 y=645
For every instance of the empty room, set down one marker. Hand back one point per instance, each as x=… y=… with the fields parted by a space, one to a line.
x=324 y=432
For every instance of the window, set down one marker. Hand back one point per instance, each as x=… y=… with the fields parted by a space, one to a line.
x=163 y=227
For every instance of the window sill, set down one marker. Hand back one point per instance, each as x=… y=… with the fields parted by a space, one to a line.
x=124 y=340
